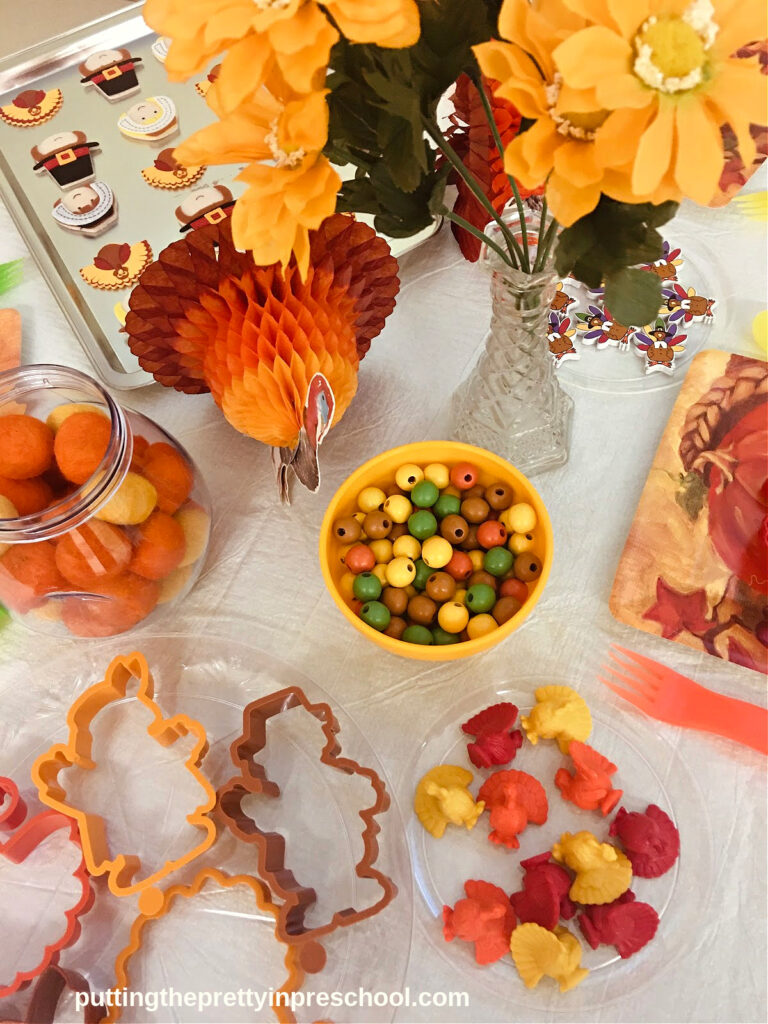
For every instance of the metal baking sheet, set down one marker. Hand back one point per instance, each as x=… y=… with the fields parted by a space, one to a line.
x=144 y=213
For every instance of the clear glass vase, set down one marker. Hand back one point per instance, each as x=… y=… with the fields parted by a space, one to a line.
x=512 y=402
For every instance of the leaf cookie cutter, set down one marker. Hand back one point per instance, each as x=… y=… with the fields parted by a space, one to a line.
x=27 y=837
x=300 y=959
x=253 y=779
x=122 y=869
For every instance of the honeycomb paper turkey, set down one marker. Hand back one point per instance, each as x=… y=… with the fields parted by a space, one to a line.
x=279 y=354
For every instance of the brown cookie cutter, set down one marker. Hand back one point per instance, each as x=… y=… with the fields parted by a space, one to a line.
x=270 y=846
x=47 y=992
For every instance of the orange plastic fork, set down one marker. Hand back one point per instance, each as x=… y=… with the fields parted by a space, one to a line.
x=671 y=697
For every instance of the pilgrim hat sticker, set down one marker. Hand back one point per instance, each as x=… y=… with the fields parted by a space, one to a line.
x=87 y=210
x=160 y=48
x=111 y=72
x=149 y=120
x=67 y=157
x=208 y=205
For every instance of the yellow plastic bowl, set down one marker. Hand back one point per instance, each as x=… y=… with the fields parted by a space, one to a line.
x=380 y=472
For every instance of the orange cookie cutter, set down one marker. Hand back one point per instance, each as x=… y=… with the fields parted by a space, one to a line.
x=270 y=846
x=27 y=837
x=300 y=960
x=122 y=869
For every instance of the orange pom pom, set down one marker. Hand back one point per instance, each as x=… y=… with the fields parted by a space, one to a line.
x=26 y=447
x=28 y=496
x=81 y=443
x=27 y=573
x=161 y=548
x=132 y=599
x=93 y=552
x=140 y=445
x=171 y=475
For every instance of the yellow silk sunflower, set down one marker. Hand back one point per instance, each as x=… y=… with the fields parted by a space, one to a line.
x=666 y=72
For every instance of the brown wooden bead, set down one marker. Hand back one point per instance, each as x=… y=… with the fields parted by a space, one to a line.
x=454 y=528
x=471 y=543
x=377 y=525
x=398 y=530
x=396 y=627
x=441 y=587
x=347 y=530
x=505 y=608
x=481 y=576
x=391 y=489
x=395 y=598
x=421 y=609
x=527 y=566
x=475 y=510
x=474 y=492
x=499 y=496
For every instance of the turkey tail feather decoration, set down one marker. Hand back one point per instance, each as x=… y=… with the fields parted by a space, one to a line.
x=280 y=354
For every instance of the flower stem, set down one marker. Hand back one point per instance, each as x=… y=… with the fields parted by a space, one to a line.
x=525 y=262
x=456 y=219
x=445 y=147
x=545 y=246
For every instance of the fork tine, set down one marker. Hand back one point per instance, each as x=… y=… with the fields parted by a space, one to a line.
x=642 y=678
x=655 y=668
x=636 y=684
x=632 y=698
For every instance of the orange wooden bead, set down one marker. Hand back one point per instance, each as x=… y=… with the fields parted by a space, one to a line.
x=360 y=558
x=491 y=534
x=170 y=473
x=464 y=476
x=81 y=443
x=26 y=447
x=161 y=547
x=93 y=552
x=460 y=566
x=514 y=588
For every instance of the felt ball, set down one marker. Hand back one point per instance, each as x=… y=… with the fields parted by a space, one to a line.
x=464 y=475
x=398 y=508
x=400 y=572
x=453 y=616
x=28 y=496
x=80 y=445
x=481 y=625
x=7 y=511
x=132 y=598
x=370 y=498
x=27 y=573
x=160 y=548
x=173 y=584
x=406 y=546
x=407 y=476
x=57 y=416
x=520 y=542
x=436 y=552
x=26 y=446
x=196 y=524
x=437 y=474
x=131 y=504
x=92 y=552
x=170 y=474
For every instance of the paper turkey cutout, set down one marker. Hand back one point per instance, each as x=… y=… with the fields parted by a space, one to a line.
x=117 y=265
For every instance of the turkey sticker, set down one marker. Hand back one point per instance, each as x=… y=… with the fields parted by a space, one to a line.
x=684 y=304
x=32 y=107
x=659 y=346
x=117 y=265
x=560 y=339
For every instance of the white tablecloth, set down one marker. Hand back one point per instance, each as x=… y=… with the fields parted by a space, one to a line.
x=262 y=585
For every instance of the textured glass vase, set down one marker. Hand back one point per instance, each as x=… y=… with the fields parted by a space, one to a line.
x=512 y=402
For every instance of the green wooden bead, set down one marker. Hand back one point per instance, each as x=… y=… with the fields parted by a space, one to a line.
x=423 y=572
x=498 y=561
x=441 y=636
x=447 y=505
x=367 y=587
x=481 y=597
x=375 y=614
x=422 y=524
x=417 y=635
x=424 y=494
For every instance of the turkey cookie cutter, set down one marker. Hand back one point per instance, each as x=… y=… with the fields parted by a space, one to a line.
x=253 y=779
x=122 y=869
x=27 y=837
x=302 y=959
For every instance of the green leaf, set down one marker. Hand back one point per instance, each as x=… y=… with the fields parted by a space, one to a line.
x=633 y=296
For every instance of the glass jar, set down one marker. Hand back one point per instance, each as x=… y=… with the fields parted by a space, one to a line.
x=112 y=527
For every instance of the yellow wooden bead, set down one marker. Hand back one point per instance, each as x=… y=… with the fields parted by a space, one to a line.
x=62 y=412
x=453 y=616
x=398 y=508
x=380 y=572
x=521 y=518
x=460 y=595
x=520 y=542
x=408 y=476
x=400 y=572
x=407 y=547
x=343 y=552
x=346 y=583
x=438 y=474
x=132 y=504
x=481 y=625
x=196 y=524
x=7 y=511
x=476 y=558
x=369 y=499
x=382 y=550
x=436 y=552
